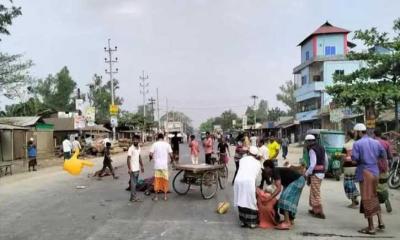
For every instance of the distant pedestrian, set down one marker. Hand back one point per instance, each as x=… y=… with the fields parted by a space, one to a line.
x=175 y=141
x=223 y=151
x=208 y=147
x=67 y=148
x=159 y=152
x=194 y=150
x=366 y=152
x=135 y=165
x=315 y=174
x=273 y=150
x=246 y=141
x=285 y=147
x=349 y=169
x=32 y=153
x=76 y=145
x=107 y=161
x=253 y=140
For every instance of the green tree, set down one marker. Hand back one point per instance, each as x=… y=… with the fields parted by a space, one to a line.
x=377 y=83
x=13 y=69
x=7 y=14
x=225 y=120
x=207 y=126
x=56 y=91
x=275 y=113
x=261 y=112
x=99 y=96
x=286 y=96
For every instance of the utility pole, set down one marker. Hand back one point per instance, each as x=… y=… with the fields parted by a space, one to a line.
x=158 y=112
x=144 y=85
x=110 y=71
x=152 y=101
x=254 y=97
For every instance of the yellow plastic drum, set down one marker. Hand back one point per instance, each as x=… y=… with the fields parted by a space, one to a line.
x=223 y=207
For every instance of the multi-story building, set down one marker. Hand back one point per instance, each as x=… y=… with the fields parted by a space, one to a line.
x=323 y=53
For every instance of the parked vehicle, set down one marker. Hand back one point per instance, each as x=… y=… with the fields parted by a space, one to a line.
x=333 y=142
x=394 y=177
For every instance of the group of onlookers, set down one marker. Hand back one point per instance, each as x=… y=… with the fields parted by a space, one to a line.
x=365 y=160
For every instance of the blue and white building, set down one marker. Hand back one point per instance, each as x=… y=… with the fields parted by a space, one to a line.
x=323 y=53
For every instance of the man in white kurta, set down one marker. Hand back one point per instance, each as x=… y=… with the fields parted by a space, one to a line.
x=245 y=188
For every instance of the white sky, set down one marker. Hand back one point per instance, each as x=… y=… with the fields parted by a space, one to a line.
x=204 y=55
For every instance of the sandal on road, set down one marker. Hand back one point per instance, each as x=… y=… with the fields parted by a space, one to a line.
x=367 y=231
x=381 y=227
x=283 y=226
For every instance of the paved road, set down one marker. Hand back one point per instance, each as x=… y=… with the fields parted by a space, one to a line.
x=46 y=205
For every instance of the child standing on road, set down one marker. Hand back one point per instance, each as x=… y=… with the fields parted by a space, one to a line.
x=134 y=162
x=194 y=150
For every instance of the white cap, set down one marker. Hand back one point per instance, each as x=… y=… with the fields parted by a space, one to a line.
x=360 y=127
x=253 y=150
x=310 y=137
x=31 y=139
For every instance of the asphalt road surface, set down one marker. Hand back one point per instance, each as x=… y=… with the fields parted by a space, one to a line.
x=47 y=205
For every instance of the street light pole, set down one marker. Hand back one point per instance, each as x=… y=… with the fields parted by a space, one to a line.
x=110 y=71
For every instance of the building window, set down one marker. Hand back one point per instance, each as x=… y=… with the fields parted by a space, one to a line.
x=303 y=80
x=330 y=51
x=339 y=72
x=307 y=55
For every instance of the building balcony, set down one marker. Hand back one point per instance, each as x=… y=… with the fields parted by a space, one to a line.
x=307 y=116
x=309 y=90
x=300 y=67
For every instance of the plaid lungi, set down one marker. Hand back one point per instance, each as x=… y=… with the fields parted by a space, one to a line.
x=350 y=188
x=369 y=197
x=248 y=216
x=315 y=194
x=289 y=199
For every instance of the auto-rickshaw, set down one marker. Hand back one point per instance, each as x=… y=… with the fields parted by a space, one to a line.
x=333 y=142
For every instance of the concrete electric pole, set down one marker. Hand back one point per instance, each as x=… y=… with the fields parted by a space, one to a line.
x=144 y=85
x=110 y=71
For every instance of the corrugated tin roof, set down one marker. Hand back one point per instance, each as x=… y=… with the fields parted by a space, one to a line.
x=325 y=28
x=11 y=127
x=20 y=121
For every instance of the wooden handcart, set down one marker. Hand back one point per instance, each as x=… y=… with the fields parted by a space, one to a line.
x=208 y=177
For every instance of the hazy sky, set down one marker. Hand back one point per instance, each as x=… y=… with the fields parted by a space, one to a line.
x=204 y=55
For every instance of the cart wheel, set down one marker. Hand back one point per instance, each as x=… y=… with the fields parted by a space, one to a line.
x=223 y=177
x=180 y=184
x=209 y=184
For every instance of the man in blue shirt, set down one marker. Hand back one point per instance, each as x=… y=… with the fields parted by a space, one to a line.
x=366 y=152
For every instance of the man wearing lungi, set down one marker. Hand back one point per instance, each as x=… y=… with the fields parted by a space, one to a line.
x=316 y=173
x=366 y=152
x=245 y=189
x=292 y=182
x=160 y=151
